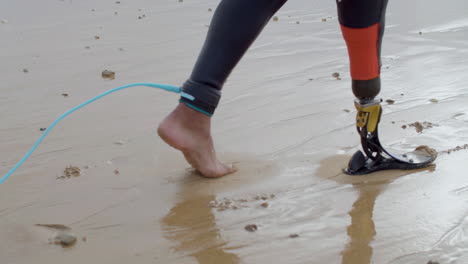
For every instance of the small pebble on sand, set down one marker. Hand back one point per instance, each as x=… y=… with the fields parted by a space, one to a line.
x=297 y=22
x=418 y=126
x=117 y=2
x=293 y=235
x=432 y=262
x=346 y=110
x=65 y=239
x=72 y=171
x=4 y=21
x=106 y=74
x=324 y=20
x=275 y=18
x=209 y=9
x=390 y=101
x=42 y=129
x=265 y=205
x=25 y=70
x=65 y=94
x=87 y=47
x=116 y=171
x=251 y=228
x=425 y=150
x=97 y=37
x=433 y=100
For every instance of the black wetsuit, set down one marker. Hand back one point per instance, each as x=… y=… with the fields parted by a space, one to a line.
x=237 y=23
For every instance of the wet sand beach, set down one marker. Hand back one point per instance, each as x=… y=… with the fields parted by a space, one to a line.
x=285 y=121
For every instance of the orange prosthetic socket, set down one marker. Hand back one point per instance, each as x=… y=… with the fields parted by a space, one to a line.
x=364 y=56
x=363 y=50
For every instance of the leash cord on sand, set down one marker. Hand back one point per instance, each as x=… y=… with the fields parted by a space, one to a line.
x=166 y=87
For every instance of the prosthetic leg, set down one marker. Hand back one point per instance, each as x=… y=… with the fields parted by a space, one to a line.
x=362 y=24
x=374 y=156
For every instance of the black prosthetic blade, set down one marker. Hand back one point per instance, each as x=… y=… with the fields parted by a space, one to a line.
x=417 y=159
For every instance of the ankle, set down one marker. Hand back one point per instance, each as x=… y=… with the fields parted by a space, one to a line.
x=190 y=118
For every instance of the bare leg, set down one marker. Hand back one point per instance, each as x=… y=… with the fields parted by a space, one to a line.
x=235 y=25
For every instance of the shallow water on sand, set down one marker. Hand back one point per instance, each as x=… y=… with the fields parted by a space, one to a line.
x=284 y=121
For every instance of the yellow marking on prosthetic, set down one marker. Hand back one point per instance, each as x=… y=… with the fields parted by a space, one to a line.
x=368 y=115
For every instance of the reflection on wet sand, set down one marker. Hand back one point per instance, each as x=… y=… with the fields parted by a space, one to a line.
x=192 y=225
x=361 y=231
x=362 y=228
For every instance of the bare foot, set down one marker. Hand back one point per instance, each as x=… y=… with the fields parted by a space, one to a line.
x=189 y=131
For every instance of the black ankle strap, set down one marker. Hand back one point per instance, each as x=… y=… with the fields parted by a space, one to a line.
x=201 y=96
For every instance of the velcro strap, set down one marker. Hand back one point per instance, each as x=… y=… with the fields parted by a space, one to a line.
x=201 y=96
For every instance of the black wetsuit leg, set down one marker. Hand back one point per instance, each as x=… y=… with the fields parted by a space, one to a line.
x=234 y=27
x=362 y=24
